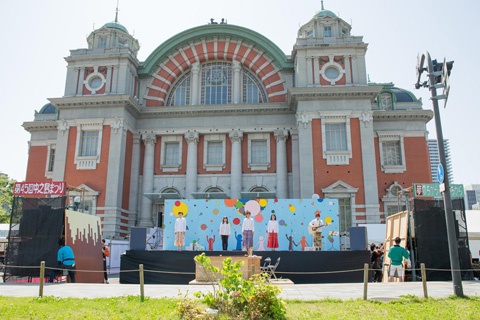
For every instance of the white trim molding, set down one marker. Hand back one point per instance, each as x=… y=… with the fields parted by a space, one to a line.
x=171 y=167
x=214 y=138
x=258 y=137
x=88 y=162
x=340 y=157
x=391 y=136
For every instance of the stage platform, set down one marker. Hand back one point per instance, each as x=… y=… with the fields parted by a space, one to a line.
x=178 y=267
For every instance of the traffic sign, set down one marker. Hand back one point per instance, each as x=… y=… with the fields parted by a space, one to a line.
x=440 y=173
x=432 y=190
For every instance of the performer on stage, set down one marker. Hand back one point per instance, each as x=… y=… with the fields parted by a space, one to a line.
x=316 y=226
x=225 y=233
x=272 y=230
x=248 y=229
x=180 y=229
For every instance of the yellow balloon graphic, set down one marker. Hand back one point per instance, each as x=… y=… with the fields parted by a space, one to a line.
x=328 y=220
x=263 y=203
x=292 y=209
x=180 y=207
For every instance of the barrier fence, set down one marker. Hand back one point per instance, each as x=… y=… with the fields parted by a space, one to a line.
x=141 y=272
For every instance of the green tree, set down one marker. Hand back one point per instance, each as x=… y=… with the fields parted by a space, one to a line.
x=6 y=198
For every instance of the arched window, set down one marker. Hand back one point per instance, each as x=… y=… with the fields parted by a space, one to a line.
x=216 y=83
x=252 y=90
x=259 y=189
x=386 y=101
x=180 y=94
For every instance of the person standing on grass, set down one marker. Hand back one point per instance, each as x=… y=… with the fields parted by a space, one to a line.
x=225 y=233
x=180 y=229
x=396 y=255
x=248 y=229
x=272 y=230
x=106 y=254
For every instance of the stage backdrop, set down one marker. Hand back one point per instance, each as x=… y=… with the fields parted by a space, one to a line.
x=293 y=215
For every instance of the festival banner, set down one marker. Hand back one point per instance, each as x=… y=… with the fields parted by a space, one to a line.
x=39 y=188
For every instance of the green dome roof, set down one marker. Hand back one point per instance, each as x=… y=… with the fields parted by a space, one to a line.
x=325 y=13
x=118 y=26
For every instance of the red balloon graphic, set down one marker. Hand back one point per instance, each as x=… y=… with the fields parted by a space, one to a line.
x=236 y=221
x=177 y=203
x=259 y=218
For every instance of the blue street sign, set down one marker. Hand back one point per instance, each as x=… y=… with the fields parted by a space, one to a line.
x=440 y=173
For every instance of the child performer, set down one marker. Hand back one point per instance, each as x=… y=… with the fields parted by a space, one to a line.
x=180 y=229
x=248 y=229
x=272 y=233
x=225 y=233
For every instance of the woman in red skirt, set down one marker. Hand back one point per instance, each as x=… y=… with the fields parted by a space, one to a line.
x=272 y=232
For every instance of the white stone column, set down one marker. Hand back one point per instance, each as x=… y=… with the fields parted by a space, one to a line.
x=108 y=87
x=135 y=175
x=236 y=138
x=295 y=165
x=149 y=139
x=195 y=85
x=309 y=72
x=304 y=125
x=80 y=82
x=61 y=150
x=191 y=176
x=282 y=171
x=236 y=85
x=348 y=70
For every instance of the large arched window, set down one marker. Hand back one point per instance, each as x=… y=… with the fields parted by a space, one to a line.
x=252 y=89
x=215 y=84
x=180 y=94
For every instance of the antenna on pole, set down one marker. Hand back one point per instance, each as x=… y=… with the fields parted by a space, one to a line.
x=322 y=6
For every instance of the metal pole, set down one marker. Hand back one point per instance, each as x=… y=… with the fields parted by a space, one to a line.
x=424 y=280
x=452 y=238
x=42 y=276
x=142 y=288
x=365 y=281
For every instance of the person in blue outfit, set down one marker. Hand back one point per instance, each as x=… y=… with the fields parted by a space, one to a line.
x=66 y=260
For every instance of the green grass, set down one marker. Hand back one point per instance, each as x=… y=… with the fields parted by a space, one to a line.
x=131 y=308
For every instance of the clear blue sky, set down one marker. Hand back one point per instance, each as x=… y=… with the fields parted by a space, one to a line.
x=37 y=35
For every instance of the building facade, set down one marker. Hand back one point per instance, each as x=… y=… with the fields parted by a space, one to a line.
x=435 y=159
x=219 y=111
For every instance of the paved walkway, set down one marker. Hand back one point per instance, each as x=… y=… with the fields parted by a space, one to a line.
x=345 y=291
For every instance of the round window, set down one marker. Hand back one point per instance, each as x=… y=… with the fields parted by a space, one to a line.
x=95 y=83
x=332 y=73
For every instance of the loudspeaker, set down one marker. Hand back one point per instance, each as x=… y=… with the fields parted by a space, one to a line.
x=138 y=238
x=358 y=238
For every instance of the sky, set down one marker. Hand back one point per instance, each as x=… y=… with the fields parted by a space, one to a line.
x=37 y=35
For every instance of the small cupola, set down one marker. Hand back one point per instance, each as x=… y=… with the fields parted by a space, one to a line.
x=325 y=25
x=112 y=35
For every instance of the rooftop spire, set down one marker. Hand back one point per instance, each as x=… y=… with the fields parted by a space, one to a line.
x=116 y=12
x=322 y=6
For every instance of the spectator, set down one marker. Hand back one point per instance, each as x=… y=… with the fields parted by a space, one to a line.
x=66 y=260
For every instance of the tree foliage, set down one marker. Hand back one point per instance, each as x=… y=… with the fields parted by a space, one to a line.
x=6 y=198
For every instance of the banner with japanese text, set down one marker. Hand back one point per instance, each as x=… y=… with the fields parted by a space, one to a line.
x=39 y=188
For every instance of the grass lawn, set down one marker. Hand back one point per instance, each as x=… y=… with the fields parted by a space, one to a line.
x=131 y=308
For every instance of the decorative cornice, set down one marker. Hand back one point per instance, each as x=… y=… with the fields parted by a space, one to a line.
x=105 y=101
x=39 y=126
x=405 y=115
x=331 y=93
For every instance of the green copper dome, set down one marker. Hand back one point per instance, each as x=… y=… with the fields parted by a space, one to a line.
x=118 y=26
x=325 y=13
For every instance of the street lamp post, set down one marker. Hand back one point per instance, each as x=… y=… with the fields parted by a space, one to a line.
x=433 y=84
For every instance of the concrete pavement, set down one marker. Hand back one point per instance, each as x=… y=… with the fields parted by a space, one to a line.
x=344 y=291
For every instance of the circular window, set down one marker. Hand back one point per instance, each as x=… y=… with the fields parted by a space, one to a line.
x=394 y=190
x=95 y=83
x=332 y=73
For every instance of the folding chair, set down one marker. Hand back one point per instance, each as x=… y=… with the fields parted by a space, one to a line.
x=272 y=268
x=265 y=268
